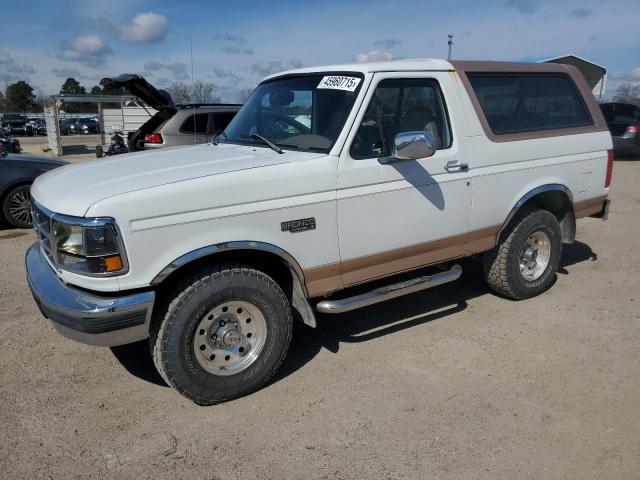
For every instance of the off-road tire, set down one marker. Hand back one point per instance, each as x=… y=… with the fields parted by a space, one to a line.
x=502 y=264
x=185 y=304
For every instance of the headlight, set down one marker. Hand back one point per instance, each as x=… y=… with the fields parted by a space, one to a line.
x=88 y=247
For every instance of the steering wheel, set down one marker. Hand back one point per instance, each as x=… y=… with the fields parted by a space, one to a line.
x=278 y=124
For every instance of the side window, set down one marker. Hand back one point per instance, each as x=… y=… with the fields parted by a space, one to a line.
x=195 y=123
x=221 y=120
x=398 y=106
x=515 y=103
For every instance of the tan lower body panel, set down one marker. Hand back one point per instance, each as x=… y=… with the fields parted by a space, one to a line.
x=589 y=207
x=329 y=278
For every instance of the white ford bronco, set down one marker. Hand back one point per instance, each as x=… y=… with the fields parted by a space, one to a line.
x=333 y=188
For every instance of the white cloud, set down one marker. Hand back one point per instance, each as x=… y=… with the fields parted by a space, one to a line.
x=145 y=28
x=88 y=50
x=373 y=56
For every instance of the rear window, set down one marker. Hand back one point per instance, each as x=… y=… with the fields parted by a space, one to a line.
x=195 y=123
x=622 y=113
x=222 y=119
x=515 y=103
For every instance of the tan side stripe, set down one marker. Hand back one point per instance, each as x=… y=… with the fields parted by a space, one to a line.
x=327 y=278
x=589 y=207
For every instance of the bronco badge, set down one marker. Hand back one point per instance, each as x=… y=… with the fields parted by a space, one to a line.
x=301 y=225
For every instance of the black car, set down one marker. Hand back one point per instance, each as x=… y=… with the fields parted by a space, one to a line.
x=17 y=124
x=87 y=126
x=17 y=173
x=623 y=120
x=39 y=126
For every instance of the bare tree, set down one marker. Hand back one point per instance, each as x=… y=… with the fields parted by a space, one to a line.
x=245 y=93
x=628 y=93
x=202 y=92
x=179 y=93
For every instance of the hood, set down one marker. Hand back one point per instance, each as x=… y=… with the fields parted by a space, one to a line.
x=138 y=86
x=33 y=160
x=71 y=190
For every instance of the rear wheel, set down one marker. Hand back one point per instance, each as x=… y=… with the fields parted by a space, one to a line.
x=525 y=262
x=16 y=207
x=223 y=335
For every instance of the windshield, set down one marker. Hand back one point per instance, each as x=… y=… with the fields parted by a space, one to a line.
x=305 y=112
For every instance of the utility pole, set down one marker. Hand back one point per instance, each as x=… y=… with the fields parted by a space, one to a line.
x=450 y=43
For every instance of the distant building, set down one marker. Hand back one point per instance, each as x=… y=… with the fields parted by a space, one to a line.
x=596 y=75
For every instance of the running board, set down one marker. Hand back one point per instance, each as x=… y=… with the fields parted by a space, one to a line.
x=390 y=291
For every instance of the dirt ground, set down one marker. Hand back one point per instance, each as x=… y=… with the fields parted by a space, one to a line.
x=75 y=148
x=450 y=383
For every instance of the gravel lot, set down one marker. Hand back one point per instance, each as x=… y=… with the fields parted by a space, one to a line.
x=449 y=383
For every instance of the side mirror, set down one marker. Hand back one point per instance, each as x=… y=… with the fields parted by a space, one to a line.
x=410 y=146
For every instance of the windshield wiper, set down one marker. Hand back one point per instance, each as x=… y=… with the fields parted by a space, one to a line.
x=266 y=141
x=216 y=137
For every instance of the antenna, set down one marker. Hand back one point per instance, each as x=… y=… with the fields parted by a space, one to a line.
x=193 y=106
x=450 y=43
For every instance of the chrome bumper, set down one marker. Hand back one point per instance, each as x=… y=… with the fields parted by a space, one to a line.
x=92 y=318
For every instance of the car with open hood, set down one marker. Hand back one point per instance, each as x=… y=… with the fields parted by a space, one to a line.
x=333 y=188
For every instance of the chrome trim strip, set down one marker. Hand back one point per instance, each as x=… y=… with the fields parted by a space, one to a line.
x=95 y=319
x=228 y=246
x=529 y=195
x=390 y=291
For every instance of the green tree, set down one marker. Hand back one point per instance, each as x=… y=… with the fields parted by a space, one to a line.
x=19 y=97
x=72 y=87
x=3 y=102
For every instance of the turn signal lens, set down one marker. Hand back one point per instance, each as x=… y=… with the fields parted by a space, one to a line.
x=113 y=264
x=607 y=179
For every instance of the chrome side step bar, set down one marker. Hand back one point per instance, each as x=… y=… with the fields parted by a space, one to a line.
x=390 y=291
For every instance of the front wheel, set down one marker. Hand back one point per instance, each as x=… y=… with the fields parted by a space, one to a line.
x=223 y=334
x=16 y=207
x=525 y=262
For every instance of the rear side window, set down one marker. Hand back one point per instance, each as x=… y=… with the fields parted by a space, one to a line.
x=515 y=103
x=195 y=123
x=222 y=119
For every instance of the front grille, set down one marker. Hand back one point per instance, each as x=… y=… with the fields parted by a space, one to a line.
x=42 y=224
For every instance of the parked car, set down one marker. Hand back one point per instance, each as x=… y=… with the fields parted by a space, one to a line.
x=623 y=120
x=17 y=173
x=39 y=126
x=87 y=126
x=17 y=123
x=172 y=125
x=405 y=168
x=67 y=126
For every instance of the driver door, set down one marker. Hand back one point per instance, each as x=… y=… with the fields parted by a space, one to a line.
x=406 y=214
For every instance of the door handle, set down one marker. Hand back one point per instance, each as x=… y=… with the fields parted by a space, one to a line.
x=454 y=166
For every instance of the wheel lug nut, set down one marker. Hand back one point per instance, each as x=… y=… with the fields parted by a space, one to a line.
x=222 y=323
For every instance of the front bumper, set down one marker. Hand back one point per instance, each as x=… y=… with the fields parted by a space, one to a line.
x=92 y=318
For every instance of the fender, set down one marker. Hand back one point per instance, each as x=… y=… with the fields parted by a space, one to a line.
x=550 y=187
x=299 y=293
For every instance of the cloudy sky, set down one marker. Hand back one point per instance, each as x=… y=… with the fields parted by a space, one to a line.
x=235 y=43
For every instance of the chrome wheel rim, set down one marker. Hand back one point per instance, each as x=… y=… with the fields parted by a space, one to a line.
x=20 y=206
x=534 y=256
x=229 y=338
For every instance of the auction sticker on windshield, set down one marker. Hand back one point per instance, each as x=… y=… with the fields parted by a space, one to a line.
x=337 y=82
